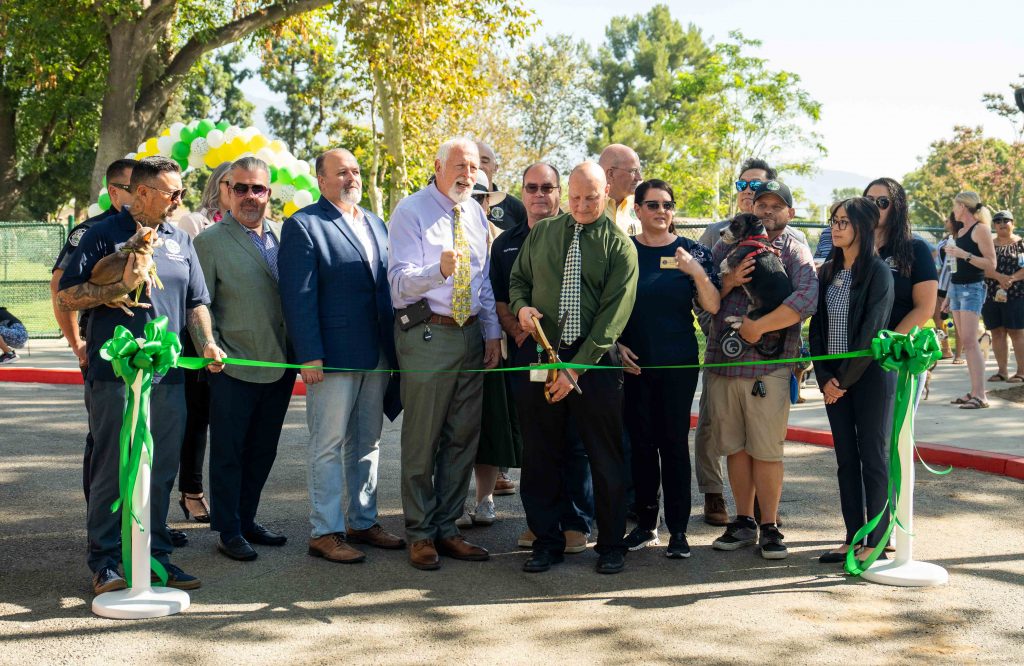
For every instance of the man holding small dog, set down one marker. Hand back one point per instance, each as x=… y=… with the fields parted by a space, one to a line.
x=749 y=404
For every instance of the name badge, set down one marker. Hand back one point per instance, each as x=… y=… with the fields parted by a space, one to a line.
x=668 y=263
x=538 y=375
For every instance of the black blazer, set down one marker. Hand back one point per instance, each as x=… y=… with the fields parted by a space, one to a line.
x=870 y=304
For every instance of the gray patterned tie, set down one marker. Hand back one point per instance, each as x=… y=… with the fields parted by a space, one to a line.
x=569 y=299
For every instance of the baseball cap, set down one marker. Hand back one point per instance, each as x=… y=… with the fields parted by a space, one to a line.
x=1002 y=215
x=776 y=187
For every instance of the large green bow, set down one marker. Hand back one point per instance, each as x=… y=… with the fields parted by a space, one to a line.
x=136 y=361
x=909 y=355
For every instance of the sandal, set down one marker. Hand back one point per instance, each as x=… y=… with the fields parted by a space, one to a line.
x=975 y=403
x=965 y=398
x=959 y=361
x=1015 y=379
x=998 y=377
x=194 y=505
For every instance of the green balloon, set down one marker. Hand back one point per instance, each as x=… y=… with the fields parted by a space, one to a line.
x=104 y=181
x=104 y=200
x=315 y=192
x=187 y=135
x=183 y=163
x=273 y=173
x=285 y=176
x=304 y=182
x=223 y=125
x=180 y=150
x=204 y=127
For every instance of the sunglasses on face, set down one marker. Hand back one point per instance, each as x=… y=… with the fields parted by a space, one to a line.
x=754 y=185
x=533 y=188
x=881 y=202
x=839 y=225
x=653 y=205
x=120 y=186
x=173 y=194
x=241 y=189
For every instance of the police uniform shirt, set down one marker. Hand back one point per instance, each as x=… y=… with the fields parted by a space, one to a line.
x=74 y=238
x=508 y=214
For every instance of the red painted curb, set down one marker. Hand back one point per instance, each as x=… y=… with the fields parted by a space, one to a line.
x=67 y=376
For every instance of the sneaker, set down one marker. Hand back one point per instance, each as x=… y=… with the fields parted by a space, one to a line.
x=483 y=514
x=465 y=520
x=504 y=485
x=526 y=539
x=178 y=579
x=575 y=542
x=107 y=579
x=640 y=538
x=678 y=547
x=771 y=545
x=9 y=357
x=611 y=563
x=741 y=532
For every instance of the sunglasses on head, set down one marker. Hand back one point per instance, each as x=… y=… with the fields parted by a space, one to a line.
x=755 y=185
x=533 y=188
x=881 y=202
x=241 y=189
x=653 y=205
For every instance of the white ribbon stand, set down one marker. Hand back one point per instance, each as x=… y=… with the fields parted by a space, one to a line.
x=903 y=570
x=141 y=600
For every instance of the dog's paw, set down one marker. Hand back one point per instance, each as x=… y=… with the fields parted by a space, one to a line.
x=734 y=321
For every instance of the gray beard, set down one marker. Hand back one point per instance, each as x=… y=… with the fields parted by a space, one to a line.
x=351 y=199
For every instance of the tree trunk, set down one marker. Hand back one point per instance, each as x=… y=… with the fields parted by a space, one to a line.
x=394 y=139
x=373 y=188
x=10 y=188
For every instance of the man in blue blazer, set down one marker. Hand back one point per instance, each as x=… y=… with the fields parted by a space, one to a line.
x=337 y=307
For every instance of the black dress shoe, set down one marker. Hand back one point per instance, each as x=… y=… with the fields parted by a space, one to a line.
x=611 y=563
x=541 y=560
x=178 y=538
x=831 y=557
x=237 y=548
x=262 y=536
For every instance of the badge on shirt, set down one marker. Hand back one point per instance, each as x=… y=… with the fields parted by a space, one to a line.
x=669 y=263
x=538 y=375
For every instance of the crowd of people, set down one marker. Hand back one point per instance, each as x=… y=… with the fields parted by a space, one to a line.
x=465 y=277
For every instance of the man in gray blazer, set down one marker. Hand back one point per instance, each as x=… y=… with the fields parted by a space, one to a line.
x=247 y=405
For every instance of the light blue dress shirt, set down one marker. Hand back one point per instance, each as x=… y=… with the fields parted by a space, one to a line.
x=420 y=228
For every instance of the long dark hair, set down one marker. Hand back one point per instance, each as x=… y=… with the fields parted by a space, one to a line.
x=898 y=238
x=864 y=216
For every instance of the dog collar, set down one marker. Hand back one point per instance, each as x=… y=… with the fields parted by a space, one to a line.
x=761 y=243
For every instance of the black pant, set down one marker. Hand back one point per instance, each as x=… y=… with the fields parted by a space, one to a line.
x=598 y=417
x=197 y=403
x=89 y=443
x=244 y=431
x=860 y=422
x=658 y=422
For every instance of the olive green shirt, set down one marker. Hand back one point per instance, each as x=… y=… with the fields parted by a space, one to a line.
x=607 y=280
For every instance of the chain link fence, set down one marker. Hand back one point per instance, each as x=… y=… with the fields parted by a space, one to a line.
x=27 y=253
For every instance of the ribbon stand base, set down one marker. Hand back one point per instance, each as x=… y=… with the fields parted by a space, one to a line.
x=141 y=600
x=903 y=571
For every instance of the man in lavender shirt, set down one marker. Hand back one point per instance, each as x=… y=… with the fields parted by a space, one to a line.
x=441 y=426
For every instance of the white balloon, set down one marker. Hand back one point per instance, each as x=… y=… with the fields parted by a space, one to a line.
x=130 y=156
x=141 y=148
x=176 y=131
x=95 y=210
x=200 y=147
x=302 y=198
x=164 y=144
x=196 y=161
x=284 y=192
x=302 y=167
x=265 y=154
x=231 y=132
x=215 y=138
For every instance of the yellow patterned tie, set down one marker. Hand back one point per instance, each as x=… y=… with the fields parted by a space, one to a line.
x=461 y=294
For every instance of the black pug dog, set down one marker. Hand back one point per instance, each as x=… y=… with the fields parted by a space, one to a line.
x=769 y=285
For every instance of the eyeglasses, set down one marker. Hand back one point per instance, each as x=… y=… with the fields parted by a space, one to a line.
x=841 y=225
x=881 y=202
x=636 y=173
x=654 y=205
x=533 y=188
x=173 y=194
x=755 y=185
x=241 y=189
x=121 y=186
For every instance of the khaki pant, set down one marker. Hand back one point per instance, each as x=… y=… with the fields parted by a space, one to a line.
x=705 y=452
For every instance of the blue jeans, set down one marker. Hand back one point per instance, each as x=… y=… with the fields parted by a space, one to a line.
x=345 y=414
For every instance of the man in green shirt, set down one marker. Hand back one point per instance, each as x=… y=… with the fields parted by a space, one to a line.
x=580 y=264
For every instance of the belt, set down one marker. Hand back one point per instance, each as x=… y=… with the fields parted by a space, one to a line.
x=448 y=321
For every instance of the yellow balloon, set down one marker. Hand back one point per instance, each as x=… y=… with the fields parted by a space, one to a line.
x=166 y=132
x=151 y=146
x=211 y=159
x=141 y=156
x=258 y=142
x=277 y=146
x=289 y=209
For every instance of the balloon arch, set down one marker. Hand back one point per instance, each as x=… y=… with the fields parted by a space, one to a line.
x=206 y=144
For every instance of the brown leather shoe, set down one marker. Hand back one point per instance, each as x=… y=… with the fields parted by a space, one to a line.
x=332 y=547
x=504 y=485
x=575 y=542
x=423 y=555
x=375 y=536
x=715 y=512
x=458 y=548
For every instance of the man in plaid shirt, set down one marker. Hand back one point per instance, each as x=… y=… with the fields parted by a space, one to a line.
x=749 y=404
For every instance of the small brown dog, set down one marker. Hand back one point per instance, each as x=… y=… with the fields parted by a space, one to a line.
x=110 y=269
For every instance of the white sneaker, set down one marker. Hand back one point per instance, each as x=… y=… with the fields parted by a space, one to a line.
x=9 y=357
x=464 y=520
x=484 y=513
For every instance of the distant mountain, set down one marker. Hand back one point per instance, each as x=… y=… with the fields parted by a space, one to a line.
x=818 y=188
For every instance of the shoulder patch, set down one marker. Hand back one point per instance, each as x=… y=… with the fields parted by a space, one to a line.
x=76 y=237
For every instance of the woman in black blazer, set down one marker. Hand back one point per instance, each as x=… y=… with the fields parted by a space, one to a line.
x=854 y=301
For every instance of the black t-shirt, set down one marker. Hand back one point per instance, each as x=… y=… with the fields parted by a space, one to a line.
x=922 y=270
x=504 y=251
x=508 y=214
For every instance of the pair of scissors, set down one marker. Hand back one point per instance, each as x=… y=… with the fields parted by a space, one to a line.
x=552 y=354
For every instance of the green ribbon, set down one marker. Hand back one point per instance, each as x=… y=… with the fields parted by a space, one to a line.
x=909 y=355
x=136 y=361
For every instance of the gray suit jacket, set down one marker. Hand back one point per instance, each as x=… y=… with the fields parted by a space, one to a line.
x=245 y=304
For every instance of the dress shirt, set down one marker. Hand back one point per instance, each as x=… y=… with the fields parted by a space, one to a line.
x=623 y=214
x=266 y=244
x=360 y=226
x=608 y=280
x=420 y=228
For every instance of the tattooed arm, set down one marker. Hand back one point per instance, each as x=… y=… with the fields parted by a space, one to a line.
x=87 y=295
x=201 y=329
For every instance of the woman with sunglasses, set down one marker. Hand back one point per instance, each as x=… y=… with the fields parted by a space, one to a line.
x=1004 y=308
x=975 y=254
x=216 y=201
x=674 y=274
x=855 y=297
